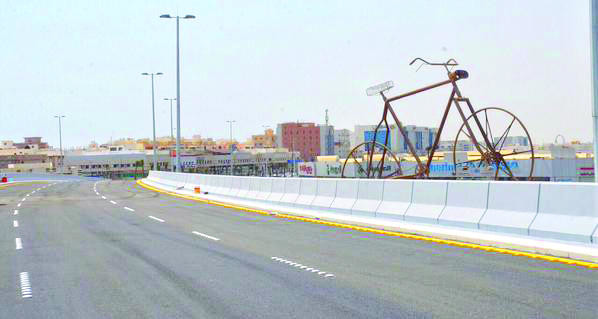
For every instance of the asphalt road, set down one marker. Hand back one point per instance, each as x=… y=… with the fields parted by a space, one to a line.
x=140 y=254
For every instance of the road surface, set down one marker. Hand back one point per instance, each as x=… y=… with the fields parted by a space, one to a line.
x=84 y=249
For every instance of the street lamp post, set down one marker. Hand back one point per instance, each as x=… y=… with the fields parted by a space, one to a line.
x=231 y=145
x=594 y=57
x=171 y=131
x=59 y=117
x=171 y=127
x=154 y=146
x=178 y=89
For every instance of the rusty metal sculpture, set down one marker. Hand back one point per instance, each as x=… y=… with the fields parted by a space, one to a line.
x=477 y=128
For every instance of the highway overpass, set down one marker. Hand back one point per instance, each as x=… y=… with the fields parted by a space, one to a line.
x=113 y=249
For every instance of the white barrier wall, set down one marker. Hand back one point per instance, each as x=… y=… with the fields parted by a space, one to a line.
x=396 y=199
x=292 y=189
x=235 y=187
x=427 y=202
x=265 y=188
x=346 y=196
x=245 y=186
x=369 y=197
x=277 y=189
x=227 y=183
x=561 y=211
x=307 y=192
x=512 y=206
x=567 y=211
x=466 y=203
x=193 y=181
x=326 y=191
x=254 y=187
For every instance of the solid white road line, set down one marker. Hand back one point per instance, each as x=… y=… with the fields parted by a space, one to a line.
x=18 y=243
x=206 y=236
x=15 y=223
x=129 y=209
x=16 y=212
x=113 y=202
x=103 y=197
x=155 y=218
x=25 y=285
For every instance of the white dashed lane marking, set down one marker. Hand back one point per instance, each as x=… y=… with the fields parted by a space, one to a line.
x=113 y=202
x=15 y=223
x=19 y=205
x=303 y=267
x=129 y=209
x=206 y=236
x=18 y=243
x=16 y=212
x=156 y=218
x=25 y=285
x=103 y=197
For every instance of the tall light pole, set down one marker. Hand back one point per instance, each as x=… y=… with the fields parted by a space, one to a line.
x=594 y=55
x=178 y=89
x=154 y=146
x=231 y=145
x=171 y=127
x=59 y=117
x=171 y=131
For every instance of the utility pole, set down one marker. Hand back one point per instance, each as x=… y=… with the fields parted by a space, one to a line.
x=59 y=117
x=231 y=146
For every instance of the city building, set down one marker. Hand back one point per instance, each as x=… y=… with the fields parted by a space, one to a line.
x=300 y=137
x=266 y=140
x=28 y=156
x=326 y=139
x=342 y=142
x=422 y=138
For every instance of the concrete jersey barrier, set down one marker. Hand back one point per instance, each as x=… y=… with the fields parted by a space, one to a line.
x=557 y=211
x=512 y=206
x=277 y=189
x=466 y=203
x=265 y=188
x=292 y=190
x=369 y=197
x=427 y=202
x=307 y=192
x=566 y=211
x=396 y=199
x=346 y=195
x=326 y=192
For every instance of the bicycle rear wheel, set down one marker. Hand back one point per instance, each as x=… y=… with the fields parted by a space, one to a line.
x=363 y=163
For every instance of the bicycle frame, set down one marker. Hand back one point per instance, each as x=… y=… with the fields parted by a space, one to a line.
x=454 y=98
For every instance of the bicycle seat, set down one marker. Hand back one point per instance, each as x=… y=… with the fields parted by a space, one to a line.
x=461 y=74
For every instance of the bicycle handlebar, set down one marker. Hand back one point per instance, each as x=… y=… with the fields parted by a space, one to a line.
x=450 y=62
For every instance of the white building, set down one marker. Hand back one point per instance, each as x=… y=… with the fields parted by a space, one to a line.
x=421 y=137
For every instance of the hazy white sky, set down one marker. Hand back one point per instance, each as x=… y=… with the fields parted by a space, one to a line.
x=265 y=62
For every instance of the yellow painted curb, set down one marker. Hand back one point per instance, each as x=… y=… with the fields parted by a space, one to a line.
x=21 y=183
x=385 y=232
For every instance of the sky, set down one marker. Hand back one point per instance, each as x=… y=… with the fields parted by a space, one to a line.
x=265 y=62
